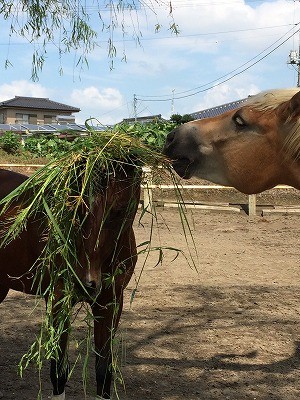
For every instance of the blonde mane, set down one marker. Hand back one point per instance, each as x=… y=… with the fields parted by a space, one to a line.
x=269 y=100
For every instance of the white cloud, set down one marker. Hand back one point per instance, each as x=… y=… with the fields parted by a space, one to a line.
x=233 y=23
x=97 y=99
x=22 y=88
x=203 y=43
x=95 y=102
x=222 y=94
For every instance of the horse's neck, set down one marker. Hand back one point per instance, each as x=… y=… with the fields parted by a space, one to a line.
x=293 y=175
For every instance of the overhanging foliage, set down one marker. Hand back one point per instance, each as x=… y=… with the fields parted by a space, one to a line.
x=76 y=26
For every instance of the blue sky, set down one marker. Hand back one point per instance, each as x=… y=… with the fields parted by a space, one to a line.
x=193 y=71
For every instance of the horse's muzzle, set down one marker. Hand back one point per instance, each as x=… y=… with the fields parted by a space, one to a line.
x=88 y=290
x=179 y=149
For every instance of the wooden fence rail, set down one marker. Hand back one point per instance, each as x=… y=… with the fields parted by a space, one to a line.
x=148 y=186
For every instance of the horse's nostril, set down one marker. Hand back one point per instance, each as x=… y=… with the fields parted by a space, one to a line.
x=170 y=137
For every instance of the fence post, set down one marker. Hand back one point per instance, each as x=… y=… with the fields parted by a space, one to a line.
x=252 y=205
x=147 y=189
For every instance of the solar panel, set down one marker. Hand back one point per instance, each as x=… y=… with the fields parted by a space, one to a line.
x=215 y=111
x=5 y=127
x=47 y=128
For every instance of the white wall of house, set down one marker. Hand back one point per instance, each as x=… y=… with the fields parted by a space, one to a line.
x=25 y=116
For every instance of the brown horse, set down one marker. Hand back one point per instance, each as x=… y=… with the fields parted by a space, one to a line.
x=107 y=245
x=252 y=148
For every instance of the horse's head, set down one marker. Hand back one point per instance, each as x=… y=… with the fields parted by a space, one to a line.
x=106 y=239
x=245 y=148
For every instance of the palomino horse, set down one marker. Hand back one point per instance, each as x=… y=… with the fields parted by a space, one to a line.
x=252 y=148
x=106 y=246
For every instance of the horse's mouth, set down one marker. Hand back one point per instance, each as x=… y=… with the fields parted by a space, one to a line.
x=184 y=167
x=86 y=293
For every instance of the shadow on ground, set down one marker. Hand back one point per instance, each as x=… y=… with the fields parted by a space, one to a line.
x=189 y=342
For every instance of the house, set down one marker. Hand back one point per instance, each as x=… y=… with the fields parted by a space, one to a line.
x=143 y=120
x=35 y=111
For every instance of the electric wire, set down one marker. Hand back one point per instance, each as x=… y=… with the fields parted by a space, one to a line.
x=232 y=75
x=229 y=73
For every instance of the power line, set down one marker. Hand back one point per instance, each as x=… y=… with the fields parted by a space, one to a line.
x=230 y=74
x=170 y=37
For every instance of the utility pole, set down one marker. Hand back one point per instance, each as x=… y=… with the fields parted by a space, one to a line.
x=135 y=107
x=294 y=59
x=172 y=106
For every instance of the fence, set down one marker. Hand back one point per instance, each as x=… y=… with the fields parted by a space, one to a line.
x=148 y=201
x=148 y=186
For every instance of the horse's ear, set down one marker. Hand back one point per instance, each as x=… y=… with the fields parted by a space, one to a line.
x=290 y=109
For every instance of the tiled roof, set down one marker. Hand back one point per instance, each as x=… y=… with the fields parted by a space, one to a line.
x=214 y=111
x=37 y=103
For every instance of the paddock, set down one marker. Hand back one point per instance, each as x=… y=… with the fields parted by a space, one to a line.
x=229 y=330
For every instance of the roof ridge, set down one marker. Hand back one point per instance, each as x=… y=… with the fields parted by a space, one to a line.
x=28 y=97
x=30 y=102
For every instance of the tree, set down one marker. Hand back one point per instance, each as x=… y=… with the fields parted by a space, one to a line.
x=176 y=118
x=186 y=118
x=180 y=119
x=75 y=25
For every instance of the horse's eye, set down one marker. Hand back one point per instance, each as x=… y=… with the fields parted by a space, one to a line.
x=238 y=120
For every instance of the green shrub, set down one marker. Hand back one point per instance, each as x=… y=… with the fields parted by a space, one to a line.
x=151 y=134
x=46 y=146
x=10 y=142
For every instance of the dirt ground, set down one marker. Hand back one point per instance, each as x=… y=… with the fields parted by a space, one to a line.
x=228 y=330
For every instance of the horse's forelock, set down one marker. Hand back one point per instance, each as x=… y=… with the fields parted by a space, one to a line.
x=269 y=100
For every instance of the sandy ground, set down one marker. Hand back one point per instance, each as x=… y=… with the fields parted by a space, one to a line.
x=229 y=330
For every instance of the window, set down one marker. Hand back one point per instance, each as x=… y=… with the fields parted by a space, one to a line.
x=22 y=118
x=26 y=118
x=33 y=119
x=49 y=119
